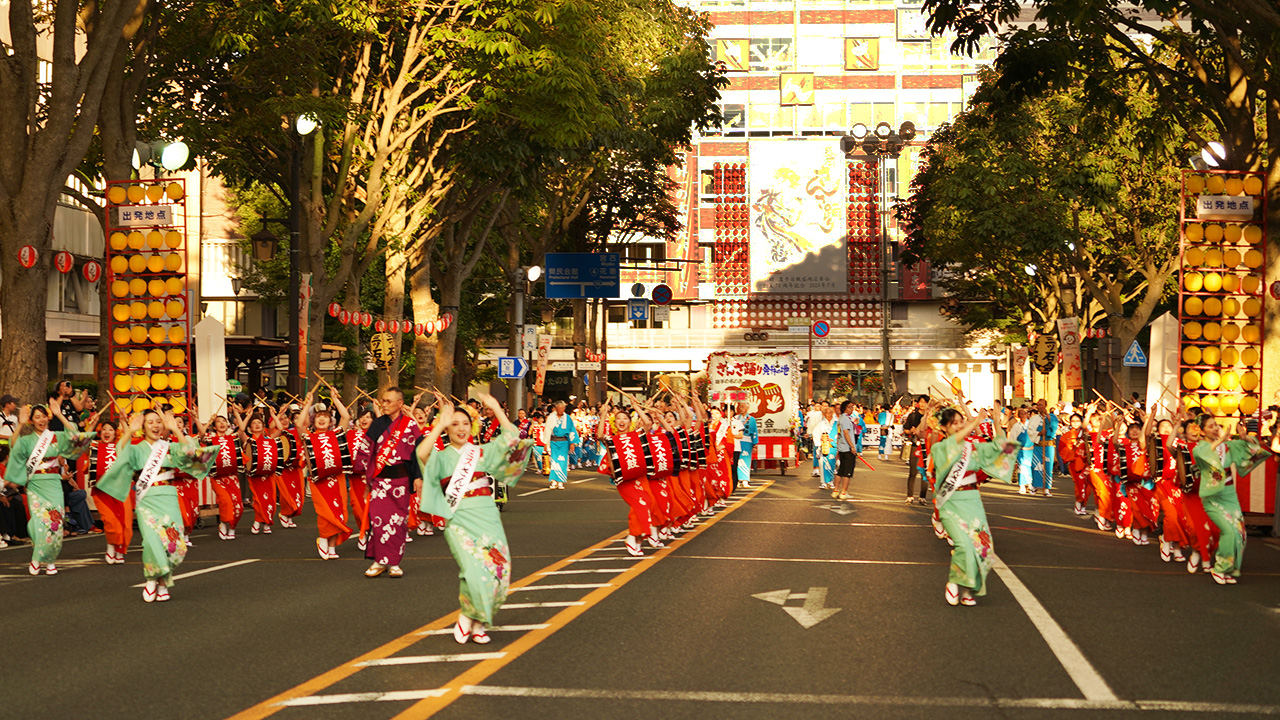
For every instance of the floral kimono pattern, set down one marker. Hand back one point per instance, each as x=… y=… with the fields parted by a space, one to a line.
x=1218 y=493
x=44 y=490
x=962 y=513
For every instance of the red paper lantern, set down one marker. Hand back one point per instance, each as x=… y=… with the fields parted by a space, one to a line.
x=431 y=327
x=91 y=271
x=380 y=326
x=334 y=309
x=27 y=256
x=406 y=326
x=419 y=328
x=344 y=317
x=64 y=261
x=367 y=319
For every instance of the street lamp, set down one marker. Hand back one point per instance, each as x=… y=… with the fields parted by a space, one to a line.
x=523 y=276
x=264 y=245
x=303 y=125
x=171 y=156
x=883 y=143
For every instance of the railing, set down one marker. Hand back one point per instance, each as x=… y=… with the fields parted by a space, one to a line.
x=718 y=338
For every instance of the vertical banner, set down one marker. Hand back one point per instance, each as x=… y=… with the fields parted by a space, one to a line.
x=1072 y=371
x=210 y=340
x=684 y=244
x=1020 y=356
x=304 y=331
x=1162 y=366
x=544 y=351
x=798 y=229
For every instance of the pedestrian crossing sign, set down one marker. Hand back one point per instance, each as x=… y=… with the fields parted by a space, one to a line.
x=1135 y=357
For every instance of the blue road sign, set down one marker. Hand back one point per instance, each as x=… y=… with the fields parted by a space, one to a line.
x=637 y=309
x=662 y=294
x=1135 y=357
x=512 y=368
x=821 y=328
x=573 y=276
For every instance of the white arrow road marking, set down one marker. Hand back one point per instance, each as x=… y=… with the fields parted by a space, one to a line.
x=813 y=611
x=777 y=597
x=837 y=508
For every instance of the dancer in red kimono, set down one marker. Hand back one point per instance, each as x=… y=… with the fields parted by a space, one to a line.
x=1137 y=509
x=1100 y=452
x=1074 y=449
x=626 y=464
x=225 y=476
x=289 y=482
x=358 y=446
x=1200 y=529
x=329 y=456
x=263 y=454
x=117 y=516
x=1164 y=464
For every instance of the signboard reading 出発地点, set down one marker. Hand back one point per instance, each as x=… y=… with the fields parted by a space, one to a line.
x=574 y=276
x=147 y=216
x=798 y=194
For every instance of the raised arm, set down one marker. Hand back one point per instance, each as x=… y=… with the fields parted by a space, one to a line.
x=492 y=403
x=241 y=422
x=344 y=415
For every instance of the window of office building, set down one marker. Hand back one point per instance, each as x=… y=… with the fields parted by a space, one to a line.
x=772 y=54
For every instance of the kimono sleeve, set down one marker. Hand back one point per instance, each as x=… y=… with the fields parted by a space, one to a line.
x=1212 y=475
x=190 y=458
x=945 y=453
x=118 y=478
x=71 y=444
x=1245 y=455
x=990 y=458
x=505 y=457
x=19 y=453
x=431 y=497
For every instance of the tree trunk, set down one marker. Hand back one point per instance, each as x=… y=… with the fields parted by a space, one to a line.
x=425 y=310
x=351 y=380
x=393 y=311
x=595 y=390
x=24 y=369
x=447 y=340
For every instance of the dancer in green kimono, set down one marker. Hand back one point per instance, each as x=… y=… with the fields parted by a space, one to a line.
x=458 y=482
x=34 y=462
x=1220 y=460
x=961 y=463
x=149 y=467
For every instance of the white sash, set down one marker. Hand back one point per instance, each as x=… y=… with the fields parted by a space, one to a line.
x=37 y=454
x=151 y=470
x=952 y=481
x=460 y=484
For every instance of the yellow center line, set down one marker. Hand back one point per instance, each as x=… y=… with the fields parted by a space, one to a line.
x=483 y=670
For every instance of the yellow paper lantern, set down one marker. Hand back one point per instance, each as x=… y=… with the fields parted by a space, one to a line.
x=155 y=310
x=1194 y=232
x=1210 y=379
x=1193 y=257
x=1210 y=355
x=120 y=335
x=119 y=264
x=1231 y=283
x=1249 y=357
x=175 y=191
x=1213 y=233
x=1252 y=259
x=1193 y=306
x=1195 y=184
x=137 y=358
x=156 y=357
x=160 y=381
x=137 y=310
x=1248 y=405
x=137 y=263
x=155 y=287
x=1213 y=257
x=119 y=288
x=1230 y=306
x=173 y=239
x=1228 y=404
x=1193 y=282
x=1248 y=381
x=1230 y=356
x=1232 y=258
x=177 y=357
x=1191 y=380
x=175 y=308
x=155 y=264
x=179 y=403
x=1192 y=330
x=1234 y=186
x=1232 y=233
x=122 y=384
x=155 y=239
x=121 y=359
x=155 y=191
x=1190 y=401
x=138 y=333
x=117 y=194
x=1230 y=380
x=120 y=311
x=1230 y=332
x=136 y=240
x=157 y=334
x=1253 y=185
x=135 y=193
x=141 y=404
x=1251 y=334
x=172 y=262
x=1212 y=331
x=177 y=381
x=137 y=286
x=119 y=241
x=1252 y=234
x=141 y=382
x=1213 y=281
x=1212 y=307
x=1210 y=404
x=1252 y=307
x=174 y=286
x=177 y=334
x=1250 y=284
x=1215 y=185
x=1191 y=355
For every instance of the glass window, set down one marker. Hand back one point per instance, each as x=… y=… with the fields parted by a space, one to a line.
x=771 y=54
x=834 y=116
x=884 y=112
x=764 y=116
x=915 y=112
x=939 y=113
x=735 y=116
x=862 y=112
x=817 y=52
x=914 y=55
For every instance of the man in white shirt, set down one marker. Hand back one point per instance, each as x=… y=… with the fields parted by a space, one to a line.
x=810 y=424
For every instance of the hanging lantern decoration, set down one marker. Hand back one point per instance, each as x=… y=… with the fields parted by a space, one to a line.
x=367 y=320
x=431 y=327
x=334 y=309
x=419 y=329
x=91 y=271
x=64 y=261
x=343 y=316
x=380 y=326
x=27 y=256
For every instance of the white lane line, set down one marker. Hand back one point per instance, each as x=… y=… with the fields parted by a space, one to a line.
x=607 y=558
x=420 y=659
x=579 y=482
x=193 y=573
x=533 y=492
x=521 y=606
x=495 y=628
x=584 y=571
x=364 y=697
x=837 y=561
x=1160 y=706
x=568 y=586
x=1091 y=684
x=833 y=524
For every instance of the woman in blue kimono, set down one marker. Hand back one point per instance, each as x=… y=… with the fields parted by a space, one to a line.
x=562 y=438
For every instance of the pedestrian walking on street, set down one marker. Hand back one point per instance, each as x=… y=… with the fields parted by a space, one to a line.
x=846 y=455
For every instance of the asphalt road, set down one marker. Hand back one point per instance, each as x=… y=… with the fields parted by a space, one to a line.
x=1076 y=622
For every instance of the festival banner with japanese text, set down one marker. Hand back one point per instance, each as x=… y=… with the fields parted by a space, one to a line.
x=1072 y=371
x=798 y=194
x=1020 y=357
x=768 y=382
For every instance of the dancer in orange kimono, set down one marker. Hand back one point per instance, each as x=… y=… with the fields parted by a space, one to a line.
x=328 y=458
x=358 y=445
x=289 y=482
x=1164 y=465
x=225 y=476
x=1073 y=448
x=626 y=464
x=263 y=454
x=1100 y=453
x=117 y=516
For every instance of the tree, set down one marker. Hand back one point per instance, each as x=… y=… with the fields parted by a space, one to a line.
x=1067 y=204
